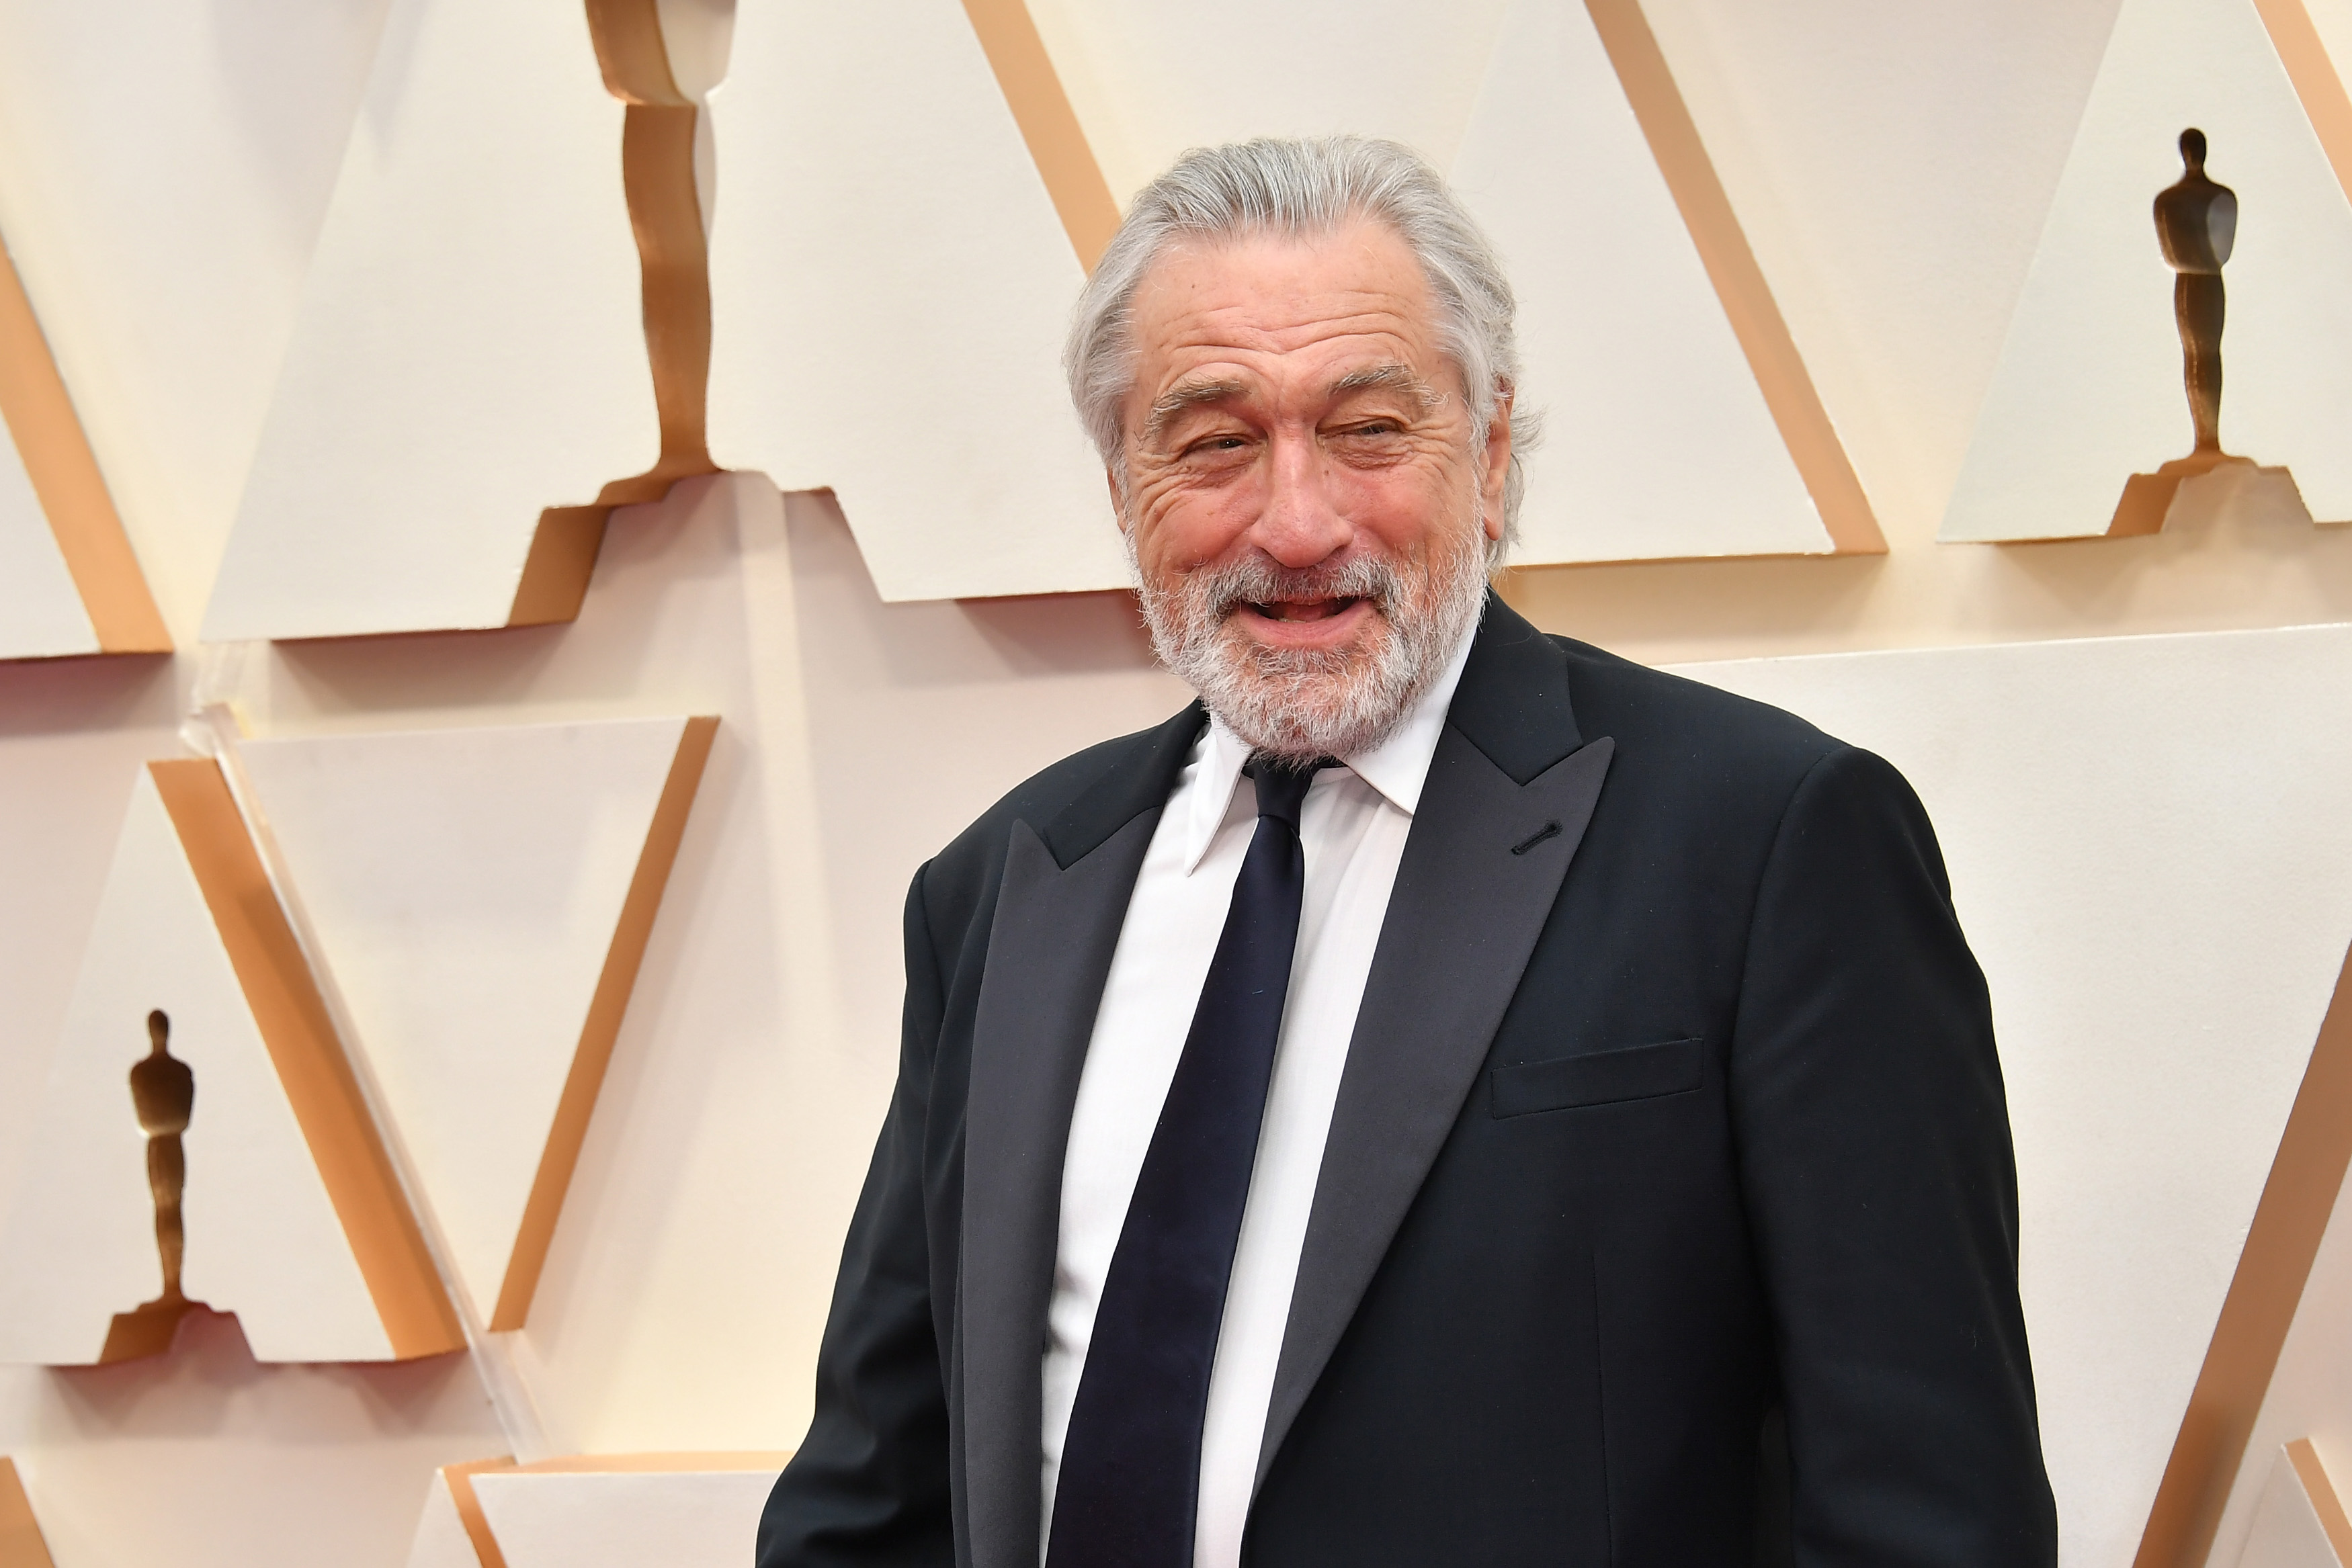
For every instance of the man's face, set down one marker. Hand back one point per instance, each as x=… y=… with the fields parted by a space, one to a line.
x=1303 y=494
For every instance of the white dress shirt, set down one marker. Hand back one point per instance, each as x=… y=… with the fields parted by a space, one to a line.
x=1352 y=827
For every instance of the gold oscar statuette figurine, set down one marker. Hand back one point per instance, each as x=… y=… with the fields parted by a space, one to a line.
x=164 y=1093
x=2196 y=226
x=163 y=1097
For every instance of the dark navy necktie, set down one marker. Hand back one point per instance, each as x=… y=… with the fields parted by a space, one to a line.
x=1132 y=1462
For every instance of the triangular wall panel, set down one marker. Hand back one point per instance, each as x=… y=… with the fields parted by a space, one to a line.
x=482 y=897
x=890 y=281
x=468 y=386
x=294 y=1219
x=2088 y=388
x=1661 y=440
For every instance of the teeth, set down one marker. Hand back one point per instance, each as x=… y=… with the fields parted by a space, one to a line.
x=1304 y=609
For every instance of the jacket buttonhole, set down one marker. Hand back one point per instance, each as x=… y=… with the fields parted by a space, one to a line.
x=1550 y=829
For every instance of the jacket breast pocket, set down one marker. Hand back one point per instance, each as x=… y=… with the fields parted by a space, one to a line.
x=1601 y=1077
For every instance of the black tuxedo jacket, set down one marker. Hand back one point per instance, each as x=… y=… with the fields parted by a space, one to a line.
x=1668 y=1216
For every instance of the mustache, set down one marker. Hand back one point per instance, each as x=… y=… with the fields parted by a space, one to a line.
x=1256 y=579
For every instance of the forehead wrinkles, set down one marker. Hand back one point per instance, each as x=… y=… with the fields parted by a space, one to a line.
x=1280 y=291
x=1279 y=324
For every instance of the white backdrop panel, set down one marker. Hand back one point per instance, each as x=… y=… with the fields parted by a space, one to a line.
x=470 y=348
x=888 y=283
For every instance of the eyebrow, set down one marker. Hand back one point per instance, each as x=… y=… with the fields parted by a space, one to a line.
x=1193 y=395
x=1184 y=395
x=1393 y=374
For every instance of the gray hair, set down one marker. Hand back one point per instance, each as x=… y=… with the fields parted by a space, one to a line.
x=1291 y=187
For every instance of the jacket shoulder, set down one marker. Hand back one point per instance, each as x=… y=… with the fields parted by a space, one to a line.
x=1677 y=722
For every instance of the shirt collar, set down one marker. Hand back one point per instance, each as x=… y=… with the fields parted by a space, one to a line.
x=1396 y=767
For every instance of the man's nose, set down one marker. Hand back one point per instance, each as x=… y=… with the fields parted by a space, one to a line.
x=1300 y=526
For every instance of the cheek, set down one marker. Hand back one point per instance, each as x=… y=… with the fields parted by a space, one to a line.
x=1179 y=525
x=1405 y=505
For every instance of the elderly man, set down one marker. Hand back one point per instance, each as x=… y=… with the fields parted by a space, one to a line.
x=1449 y=1095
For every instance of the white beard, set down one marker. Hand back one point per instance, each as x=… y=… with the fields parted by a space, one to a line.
x=1295 y=706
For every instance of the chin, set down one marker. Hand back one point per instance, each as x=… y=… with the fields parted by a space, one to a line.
x=1298 y=700
x=1299 y=704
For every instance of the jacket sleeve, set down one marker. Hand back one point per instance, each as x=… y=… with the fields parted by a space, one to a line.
x=868 y=1486
x=1882 y=1192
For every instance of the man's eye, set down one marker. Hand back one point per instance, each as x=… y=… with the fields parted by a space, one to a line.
x=1219 y=443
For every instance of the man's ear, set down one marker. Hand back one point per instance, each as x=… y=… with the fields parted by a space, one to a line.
x=1498 y=460
x=1117 y=502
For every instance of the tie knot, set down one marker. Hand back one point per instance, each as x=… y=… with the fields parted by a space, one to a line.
x=1282 y=787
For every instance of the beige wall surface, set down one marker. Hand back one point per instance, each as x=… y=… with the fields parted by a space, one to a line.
x=2133 y=748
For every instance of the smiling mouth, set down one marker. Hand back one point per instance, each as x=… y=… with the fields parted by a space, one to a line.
x=1304 y=609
